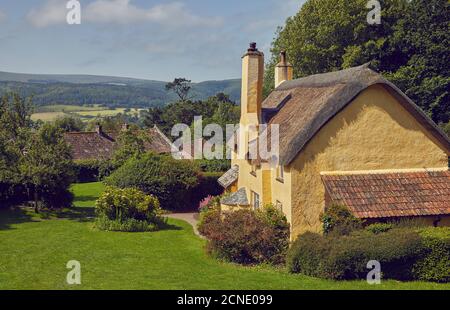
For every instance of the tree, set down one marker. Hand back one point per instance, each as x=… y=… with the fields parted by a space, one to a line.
x=69 y=123
x=131 y=144
x=181 y=87
x=46 y=167
x=409 y=47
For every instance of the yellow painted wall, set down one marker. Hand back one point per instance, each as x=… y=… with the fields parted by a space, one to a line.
x=373 y=132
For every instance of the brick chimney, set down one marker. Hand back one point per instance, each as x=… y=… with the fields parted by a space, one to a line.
x=252 y=86
x=283 y=70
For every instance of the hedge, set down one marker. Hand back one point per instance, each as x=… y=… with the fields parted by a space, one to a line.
x=404 y=254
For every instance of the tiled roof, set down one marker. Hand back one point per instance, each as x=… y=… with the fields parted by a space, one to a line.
x=238 y=198
x=381 y=195
x=94 y=145
x=229 y=177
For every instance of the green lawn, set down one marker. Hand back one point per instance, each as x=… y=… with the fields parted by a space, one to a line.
x=34 y=252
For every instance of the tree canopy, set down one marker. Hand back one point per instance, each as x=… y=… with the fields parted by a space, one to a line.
x=409 y=47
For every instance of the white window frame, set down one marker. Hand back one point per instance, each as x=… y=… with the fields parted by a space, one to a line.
x=255 y=200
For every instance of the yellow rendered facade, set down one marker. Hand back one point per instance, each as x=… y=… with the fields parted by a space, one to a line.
x=374 y=132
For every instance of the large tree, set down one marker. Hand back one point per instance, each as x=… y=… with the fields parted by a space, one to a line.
x=410 y=46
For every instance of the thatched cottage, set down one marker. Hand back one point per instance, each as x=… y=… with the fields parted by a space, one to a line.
x=348 y=137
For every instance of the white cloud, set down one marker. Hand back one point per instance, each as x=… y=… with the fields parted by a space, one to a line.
x=51 y=13
x=121 y=12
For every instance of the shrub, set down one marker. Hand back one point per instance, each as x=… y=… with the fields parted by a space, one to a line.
x=378 y=228
x=339 y=220
x=245 y=236
x=306 y=255
x=168 y=179
x=346 y=257
x=434 y=264
x=127 y=210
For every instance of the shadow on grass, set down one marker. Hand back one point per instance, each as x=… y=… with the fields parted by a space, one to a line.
x=14 y=215
x=80 y=214
x=92 y=199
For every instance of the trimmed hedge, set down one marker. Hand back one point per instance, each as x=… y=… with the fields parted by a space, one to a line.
x=404 y=254
x=434 y=264
x=171 y=181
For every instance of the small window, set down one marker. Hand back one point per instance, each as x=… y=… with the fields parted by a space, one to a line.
x=280 y=173
x=255 y=200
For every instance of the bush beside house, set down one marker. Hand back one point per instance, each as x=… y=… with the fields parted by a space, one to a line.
x=405 y=252
x=246 y=236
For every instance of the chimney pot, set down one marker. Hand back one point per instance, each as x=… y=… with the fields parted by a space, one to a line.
x=253 y=47
x=283 y=57
x=98 y=129
x=283 y=70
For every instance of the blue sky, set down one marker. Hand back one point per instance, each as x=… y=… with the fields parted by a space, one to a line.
x=152 y=39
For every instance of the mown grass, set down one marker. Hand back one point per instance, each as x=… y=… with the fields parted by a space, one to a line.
x=34 y=253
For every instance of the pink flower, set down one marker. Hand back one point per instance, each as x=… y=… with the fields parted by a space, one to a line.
x=205 y=202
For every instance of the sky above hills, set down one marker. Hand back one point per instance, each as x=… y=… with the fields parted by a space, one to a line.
x=152 y=39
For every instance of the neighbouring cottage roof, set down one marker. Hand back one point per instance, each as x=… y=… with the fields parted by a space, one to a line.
x=301 y=107
x=238 y=198
x=229 y=177
x=101 y=145
x=382 y=195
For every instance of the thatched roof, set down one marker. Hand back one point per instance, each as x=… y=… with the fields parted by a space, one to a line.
x=302 y=107
x=393 y=194
x=101 y=145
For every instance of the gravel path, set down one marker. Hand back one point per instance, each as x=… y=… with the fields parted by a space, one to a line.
x=191 y=218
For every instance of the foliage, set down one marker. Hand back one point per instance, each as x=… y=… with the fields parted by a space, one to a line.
x=218 y=109
x=245 y=236
x=409 y=47
x=35 y=159
x=127 y=210
x=47 y=166
x=69 y=123
x=168 y=179
x=346 y=257
x=434 y=264
x=92 y=170
x=139 y=94
x=130 y=144
x=205 y=203
x=339 y=220
x=378 y=228
x=181 y=87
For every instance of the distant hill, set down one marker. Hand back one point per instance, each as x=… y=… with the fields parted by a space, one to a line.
x=49 y=89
